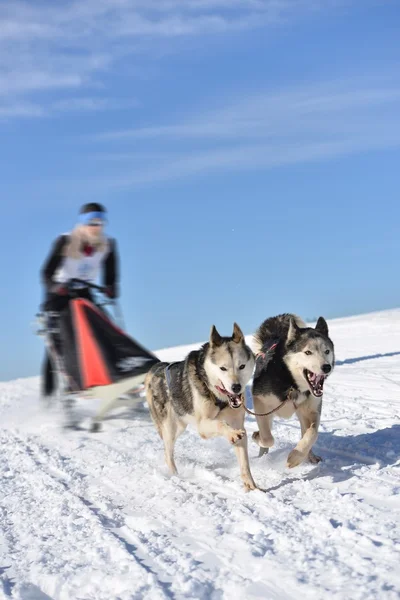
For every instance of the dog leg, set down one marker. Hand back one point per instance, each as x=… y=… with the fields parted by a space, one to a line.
x=236 y=435
x=309 y=422
x=243 y=459
x=209 y=428
x=171 y=429
x=305 y=423
x=263 y=437
x=237 y=422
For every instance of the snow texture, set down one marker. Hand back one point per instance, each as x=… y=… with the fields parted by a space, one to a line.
x=97 y=517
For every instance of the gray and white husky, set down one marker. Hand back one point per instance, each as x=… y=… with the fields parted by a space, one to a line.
x=204 y=390
x=304 y=357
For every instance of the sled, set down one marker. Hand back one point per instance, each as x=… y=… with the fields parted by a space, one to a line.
x=91 y=355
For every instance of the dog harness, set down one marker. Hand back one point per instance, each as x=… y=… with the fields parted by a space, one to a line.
x=168 y=374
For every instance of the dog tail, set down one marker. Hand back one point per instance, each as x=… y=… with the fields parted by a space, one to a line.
x=150 y=400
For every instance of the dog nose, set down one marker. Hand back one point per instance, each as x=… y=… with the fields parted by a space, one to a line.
x=236 y=387
x=326 y=368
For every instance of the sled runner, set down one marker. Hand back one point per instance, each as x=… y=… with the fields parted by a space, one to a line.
x=90 y=354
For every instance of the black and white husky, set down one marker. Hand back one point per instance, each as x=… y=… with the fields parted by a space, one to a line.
x=204 y=390
x=304 y=357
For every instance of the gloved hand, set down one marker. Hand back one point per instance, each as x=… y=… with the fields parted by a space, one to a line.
x=60 y=290
x=110 y=291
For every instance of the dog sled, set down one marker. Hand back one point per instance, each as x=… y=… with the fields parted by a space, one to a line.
x=91 y=356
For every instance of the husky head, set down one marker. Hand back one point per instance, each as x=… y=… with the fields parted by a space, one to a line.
x=229 y=365
x=310 y=355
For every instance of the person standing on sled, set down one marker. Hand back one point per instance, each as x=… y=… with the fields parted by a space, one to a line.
x=85 y=253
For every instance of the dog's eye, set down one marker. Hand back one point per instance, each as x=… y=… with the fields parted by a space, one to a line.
x=327 y=351
x=223 y=368
x=308 y=352
x=242 y=367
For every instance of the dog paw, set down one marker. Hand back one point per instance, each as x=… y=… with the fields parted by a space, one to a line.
x=295 y=458
x=236 y=435
x=262 y=443
x=313 y=458
x=249 y=485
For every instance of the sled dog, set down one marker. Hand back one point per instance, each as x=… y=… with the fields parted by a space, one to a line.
x=303 y=359
x=204 y=390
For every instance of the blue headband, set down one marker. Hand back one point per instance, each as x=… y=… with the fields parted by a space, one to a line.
x=85 y=218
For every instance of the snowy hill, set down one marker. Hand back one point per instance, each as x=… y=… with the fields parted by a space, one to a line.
x=96 y=517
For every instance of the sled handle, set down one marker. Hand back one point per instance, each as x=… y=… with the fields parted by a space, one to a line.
x=88 y=284
x=111 y=301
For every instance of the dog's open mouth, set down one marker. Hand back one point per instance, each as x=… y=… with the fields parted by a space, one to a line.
x=315 y=382
x=234 y=400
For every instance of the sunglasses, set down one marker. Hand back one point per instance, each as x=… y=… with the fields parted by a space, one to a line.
x=96 y=223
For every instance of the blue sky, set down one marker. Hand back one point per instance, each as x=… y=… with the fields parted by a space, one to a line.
x=247 y=152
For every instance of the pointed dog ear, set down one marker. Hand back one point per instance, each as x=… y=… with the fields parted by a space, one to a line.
x=215 y=338
x=293 y=331
x=237 y=334
x=322 y=326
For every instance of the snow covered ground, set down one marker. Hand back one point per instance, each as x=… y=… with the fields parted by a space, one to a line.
x=96 y=516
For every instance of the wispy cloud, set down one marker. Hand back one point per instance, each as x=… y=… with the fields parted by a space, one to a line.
x=314 y=123
x=20 y=82
x=256 y=157
x=24 y=110
x=49 y=109
x=59 y=46
x=314 y=109
x=90 y=104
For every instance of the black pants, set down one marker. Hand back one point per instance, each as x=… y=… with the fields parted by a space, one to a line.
x=57 y=304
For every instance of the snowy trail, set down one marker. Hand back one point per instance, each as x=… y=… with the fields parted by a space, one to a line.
x=96 y=516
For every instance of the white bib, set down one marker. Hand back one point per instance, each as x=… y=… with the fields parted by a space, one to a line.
x=85 y=267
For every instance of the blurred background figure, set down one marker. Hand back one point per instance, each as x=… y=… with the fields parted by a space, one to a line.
x=87 y=254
